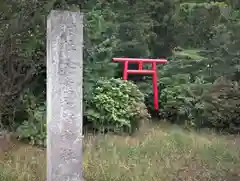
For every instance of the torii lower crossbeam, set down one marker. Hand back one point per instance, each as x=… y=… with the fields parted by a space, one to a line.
x=140 y=70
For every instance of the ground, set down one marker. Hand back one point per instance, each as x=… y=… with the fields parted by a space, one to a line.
x=157 y=153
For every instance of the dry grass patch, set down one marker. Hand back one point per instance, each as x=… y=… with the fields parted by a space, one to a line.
x=155 y=154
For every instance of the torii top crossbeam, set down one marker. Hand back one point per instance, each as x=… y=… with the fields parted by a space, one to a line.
x=138 y=60
x=140 y=70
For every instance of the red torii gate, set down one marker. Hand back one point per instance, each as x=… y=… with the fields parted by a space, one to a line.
x=140 y=70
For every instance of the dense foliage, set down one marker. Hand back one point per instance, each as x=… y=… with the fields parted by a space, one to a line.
x=32 y=127
x=116 y=105
x=222 y=105
x=199 y=38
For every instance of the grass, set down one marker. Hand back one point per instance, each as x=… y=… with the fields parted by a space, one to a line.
x=154 y=154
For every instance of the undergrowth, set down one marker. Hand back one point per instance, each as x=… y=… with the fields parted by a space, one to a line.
x=154 y=154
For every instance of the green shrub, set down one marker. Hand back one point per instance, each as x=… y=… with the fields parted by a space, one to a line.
x=180 y=97
x=33 y=129
x=116 y=105
x=184 y=103
x=222 y=106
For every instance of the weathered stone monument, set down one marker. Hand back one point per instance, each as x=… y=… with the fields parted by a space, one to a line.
x=64 y=96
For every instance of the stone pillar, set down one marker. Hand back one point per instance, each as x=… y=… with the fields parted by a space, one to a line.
x=64 y=96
